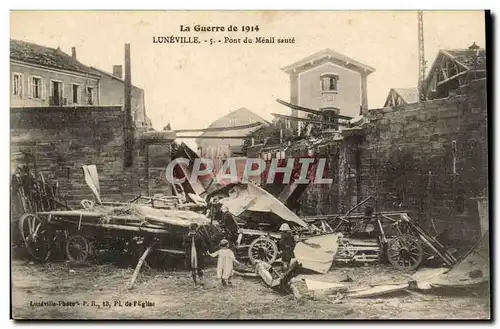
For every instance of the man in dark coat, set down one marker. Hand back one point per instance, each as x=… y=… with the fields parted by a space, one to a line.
x=287 y=245
x=195 y=247
x=231 y=229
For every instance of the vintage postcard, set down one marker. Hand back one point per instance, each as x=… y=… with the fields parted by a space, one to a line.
x=249 y=165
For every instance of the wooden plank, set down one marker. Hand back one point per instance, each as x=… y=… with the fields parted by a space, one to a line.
x=134 y=228
x=138 y=267
x=70 y=213
x=359 y=248
x=326 y=123
x=171 y=251
x=251 y=125
x=304 y=109
x=314 y=218
x=431 y=242
x=214 y=137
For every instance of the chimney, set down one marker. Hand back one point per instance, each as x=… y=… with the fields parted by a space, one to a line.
x=118 y=71
x=129 y=143
x=73 y=52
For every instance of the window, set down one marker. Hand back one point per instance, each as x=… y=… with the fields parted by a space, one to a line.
x=56 y=93
x=36 y=87
x=329 y=82
x=76 y=90
x=17 y=84
x=90 y=95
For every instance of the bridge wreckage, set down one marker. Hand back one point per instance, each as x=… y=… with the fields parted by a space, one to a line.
x=157 y=224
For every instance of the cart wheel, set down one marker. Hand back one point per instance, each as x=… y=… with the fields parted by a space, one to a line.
x=405 y=252
x=35 y=236
x=77 y=248
x=263 y=249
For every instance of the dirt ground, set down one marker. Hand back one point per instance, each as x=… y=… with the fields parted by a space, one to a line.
x=60 y=290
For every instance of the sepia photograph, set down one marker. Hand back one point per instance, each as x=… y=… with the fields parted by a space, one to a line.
x=248 y=165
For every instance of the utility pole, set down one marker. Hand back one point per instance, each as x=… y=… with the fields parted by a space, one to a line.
x=421 y=57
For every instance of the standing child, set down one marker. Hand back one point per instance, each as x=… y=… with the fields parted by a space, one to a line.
x=225 y=262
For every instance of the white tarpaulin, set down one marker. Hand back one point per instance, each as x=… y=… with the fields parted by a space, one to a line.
x=92 y=180
x=317 y=253
x=253 y=198
x=321 y=285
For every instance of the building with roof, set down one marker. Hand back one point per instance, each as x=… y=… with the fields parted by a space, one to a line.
x=454 y=68
x=451 y=69
x=401 y=96
x=43 y=76
x=111 y=86
x=220 y=148
x=328 y=80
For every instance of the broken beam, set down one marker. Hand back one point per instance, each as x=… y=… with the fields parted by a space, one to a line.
x=457 y=75
x=326 y=123
x=138 y=267
x=305 y=109
x=252 y=125
x=451 y=78
x=214 y=137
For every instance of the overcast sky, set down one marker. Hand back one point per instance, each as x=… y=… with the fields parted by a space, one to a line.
x=192 y=85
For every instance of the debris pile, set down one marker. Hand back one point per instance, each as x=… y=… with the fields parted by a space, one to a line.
x=33 y=193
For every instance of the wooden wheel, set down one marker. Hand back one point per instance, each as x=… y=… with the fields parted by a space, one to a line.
x=264 y=249
x=77 y=248
x=35 y=236
x=405 y=252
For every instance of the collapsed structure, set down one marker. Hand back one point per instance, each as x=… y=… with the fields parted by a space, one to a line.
x=428 y=157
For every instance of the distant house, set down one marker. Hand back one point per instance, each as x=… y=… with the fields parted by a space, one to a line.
x=328 y=80
x=401 y=96
x=454 y=68
x=43 y=76
x=221 y=148
x=112 y=93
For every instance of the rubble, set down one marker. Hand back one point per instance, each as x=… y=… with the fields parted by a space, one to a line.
x=317 y=253
x=322 y=240
x=471 y=270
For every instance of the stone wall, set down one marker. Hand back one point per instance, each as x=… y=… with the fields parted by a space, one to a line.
x=430 y=159
x=58 y=141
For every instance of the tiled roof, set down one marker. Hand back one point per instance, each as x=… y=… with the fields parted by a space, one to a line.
x=469 y=58
x=329 y=54
x=102 y=73
x=45 y=56
x=409 y=95
x=241 y=116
